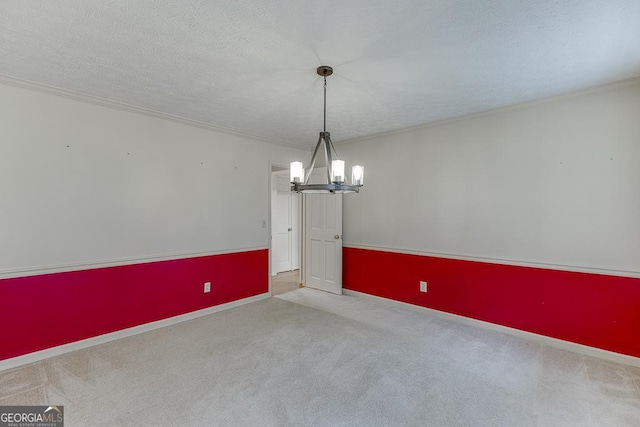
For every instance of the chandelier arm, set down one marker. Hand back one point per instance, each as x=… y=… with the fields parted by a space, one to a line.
x=335 y=152
x=332 y=155
x=313 y=160
x=327 y=157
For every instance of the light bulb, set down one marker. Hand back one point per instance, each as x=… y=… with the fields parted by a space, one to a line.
x=297 y=172
x=357 y=175
x=337 y=171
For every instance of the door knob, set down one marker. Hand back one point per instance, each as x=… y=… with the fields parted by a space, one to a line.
x=288 y=229
x=337 y=236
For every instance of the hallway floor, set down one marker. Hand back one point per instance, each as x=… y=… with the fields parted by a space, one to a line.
x=286 y=281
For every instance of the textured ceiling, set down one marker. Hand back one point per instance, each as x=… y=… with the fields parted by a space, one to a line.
x=249 y=65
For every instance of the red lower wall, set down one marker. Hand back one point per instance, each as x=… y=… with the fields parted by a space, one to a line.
x=39 y=312
x=591 y=309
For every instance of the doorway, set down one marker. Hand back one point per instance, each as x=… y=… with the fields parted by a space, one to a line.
x=285 y=233
x=306 y=236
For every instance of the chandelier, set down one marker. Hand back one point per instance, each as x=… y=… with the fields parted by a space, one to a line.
x=334 y=174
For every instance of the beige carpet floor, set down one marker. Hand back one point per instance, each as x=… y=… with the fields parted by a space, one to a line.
x=311 y=358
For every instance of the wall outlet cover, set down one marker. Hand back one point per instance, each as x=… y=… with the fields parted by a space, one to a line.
x=207 y=287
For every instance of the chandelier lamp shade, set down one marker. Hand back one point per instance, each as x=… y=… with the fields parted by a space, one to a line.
x=334 y=174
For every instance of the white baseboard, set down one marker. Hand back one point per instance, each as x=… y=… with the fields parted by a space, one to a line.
x=529 y=336
x=112 y=336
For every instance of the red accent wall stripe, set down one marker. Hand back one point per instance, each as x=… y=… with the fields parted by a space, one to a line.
x=39 y=312
x=592 y=309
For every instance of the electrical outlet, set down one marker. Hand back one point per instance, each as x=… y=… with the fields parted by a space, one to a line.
x=207 y=287
x=423 y=286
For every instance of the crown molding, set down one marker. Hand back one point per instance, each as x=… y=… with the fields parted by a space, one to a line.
x=123 y=106
x=77 y=96
x=596 y=89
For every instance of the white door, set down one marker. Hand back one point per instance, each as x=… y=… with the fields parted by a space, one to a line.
x=281 y=242
x=323 y=242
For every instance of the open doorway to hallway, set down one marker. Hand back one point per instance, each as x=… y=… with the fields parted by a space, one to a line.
x=285 y=233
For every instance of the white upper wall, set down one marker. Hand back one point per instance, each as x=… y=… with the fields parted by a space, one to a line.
x=554 y=182
x=82 y=183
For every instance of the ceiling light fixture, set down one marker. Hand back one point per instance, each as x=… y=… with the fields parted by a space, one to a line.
x=335 y=179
